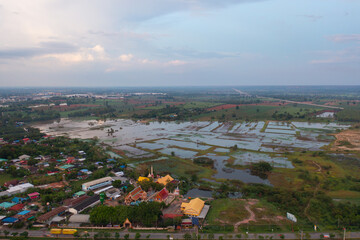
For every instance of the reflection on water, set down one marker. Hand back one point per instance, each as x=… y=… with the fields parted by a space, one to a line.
x=233 y=174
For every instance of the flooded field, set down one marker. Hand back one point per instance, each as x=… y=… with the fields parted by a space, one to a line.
x=214 y=139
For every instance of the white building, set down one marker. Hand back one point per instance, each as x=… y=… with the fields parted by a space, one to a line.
x=19 y=188
x=98 y=183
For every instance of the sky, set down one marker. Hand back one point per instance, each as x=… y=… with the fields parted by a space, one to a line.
x=179 y=42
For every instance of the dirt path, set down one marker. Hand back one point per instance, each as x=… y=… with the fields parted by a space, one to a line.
x=315 y=191
x=250 y=218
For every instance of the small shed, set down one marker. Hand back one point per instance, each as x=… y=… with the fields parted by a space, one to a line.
x=34 y=195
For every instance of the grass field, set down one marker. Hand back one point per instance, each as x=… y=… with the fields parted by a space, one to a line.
x=226 y=211
x=5 y=178
x=179 y=167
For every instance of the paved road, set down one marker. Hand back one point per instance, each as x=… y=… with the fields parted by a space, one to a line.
x=45 y=232
x=289 y=101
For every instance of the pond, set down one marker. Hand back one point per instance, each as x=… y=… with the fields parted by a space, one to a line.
x=224 y=172
x=246 y=158
x=179 y=152
x=194 y=193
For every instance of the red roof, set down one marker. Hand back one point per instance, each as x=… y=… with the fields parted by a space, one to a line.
x=12 y=183
x=26 y=139
x=34 y=194
x=17 y=207
x=172 y=215
x=136 y=193
x=163 y=194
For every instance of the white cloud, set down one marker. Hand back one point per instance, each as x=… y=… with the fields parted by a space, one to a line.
x=96 y=53
x=176 y=62
x=126 y=57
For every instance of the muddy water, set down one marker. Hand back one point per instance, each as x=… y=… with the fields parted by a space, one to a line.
x=188 y=139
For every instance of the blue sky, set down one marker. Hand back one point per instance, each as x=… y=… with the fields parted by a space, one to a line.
x=179 y=42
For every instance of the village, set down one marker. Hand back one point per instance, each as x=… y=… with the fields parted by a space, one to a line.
x=26 y=205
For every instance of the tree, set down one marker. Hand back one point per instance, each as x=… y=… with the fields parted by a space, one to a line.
x=211 y=236
x=14 y=234
x=117 y=235
x=194 y=178
x=137 y=236
x=24 y=234
x=187 y=236
x=126 y=236
x=6 y=233
x=117 y=184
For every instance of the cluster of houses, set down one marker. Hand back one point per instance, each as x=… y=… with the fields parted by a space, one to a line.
x=24 y=207
x=19 y=208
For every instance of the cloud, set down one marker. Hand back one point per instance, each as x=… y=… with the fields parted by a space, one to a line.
x=96 y=53
x=126 y=57
x=40 y=49
x=345 y=38
x=176 y=62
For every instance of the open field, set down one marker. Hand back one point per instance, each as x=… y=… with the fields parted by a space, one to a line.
x=347 y=140
x=5 y=178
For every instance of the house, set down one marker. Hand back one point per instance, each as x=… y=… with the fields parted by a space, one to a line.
x=162 y=195
x=89 y=202
x=11 y=183
x=66 y=167
x=70 y=160
x=17 y=207
x=18 y=200
x=6 y=205
x=24 y=157
x=9 y=220
x=49 y=215
x=135 y=195
x=193 y=208
x=25 y=215
x=119 y=174
x=79 y=194
x=165 y=180
x=34 y=195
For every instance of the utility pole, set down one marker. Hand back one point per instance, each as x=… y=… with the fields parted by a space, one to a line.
x=344 y=233
x=302 y=234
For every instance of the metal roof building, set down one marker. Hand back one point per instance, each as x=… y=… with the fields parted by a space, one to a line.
x=89 y=202
x=98 y=183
